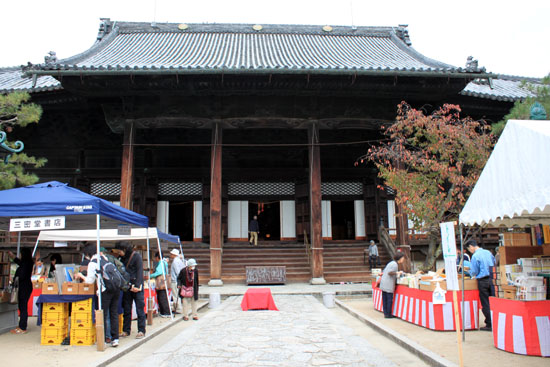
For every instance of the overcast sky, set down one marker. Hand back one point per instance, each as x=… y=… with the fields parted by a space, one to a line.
x=506 y=36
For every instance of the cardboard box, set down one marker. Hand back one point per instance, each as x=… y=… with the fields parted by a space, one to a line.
x=469 y=285
x=509 y=295
x=84 y=288
x=50 y=288
x=516 y=239
x=69 y=288
x=37 y=285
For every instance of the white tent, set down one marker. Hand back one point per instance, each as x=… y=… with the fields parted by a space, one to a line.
x=136 y=234
x=514 y=187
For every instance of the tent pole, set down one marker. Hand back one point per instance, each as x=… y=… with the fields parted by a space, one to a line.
x=149 y=312
x=462 y=271
x=165 y=278
x=19 y=245
x=98 y=259
x=181 y=248
x=35 y=245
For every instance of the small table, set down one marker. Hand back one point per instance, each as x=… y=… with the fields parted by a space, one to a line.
x=258 y=299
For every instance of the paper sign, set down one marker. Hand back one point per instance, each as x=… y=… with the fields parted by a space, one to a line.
x=36 y=223
x=124 y=230
x=59 y=244
x=448 y=245
x=448 y=242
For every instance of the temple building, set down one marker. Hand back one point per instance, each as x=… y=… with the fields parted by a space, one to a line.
x=202 y=126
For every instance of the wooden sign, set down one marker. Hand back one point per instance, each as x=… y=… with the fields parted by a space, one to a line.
x=266 y=274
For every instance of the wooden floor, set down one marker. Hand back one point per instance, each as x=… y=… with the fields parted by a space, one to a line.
x=343 y=262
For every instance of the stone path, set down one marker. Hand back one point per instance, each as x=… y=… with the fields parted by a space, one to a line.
x=302 y=333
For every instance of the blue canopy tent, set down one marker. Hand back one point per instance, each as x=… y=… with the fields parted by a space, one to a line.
x=54 y=198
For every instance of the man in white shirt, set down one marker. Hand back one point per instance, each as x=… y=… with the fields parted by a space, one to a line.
x=109 y=299
x=177 y=264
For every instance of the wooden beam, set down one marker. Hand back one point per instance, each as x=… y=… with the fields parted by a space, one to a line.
x=316 y=231
x=127 y=171
x=216 y=238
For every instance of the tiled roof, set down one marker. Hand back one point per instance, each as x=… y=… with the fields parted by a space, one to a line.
x=505 y=88
x=125 y=47
x=12 y=79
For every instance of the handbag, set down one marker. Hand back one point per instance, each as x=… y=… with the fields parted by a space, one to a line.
x=14 y=293
x=186 y=292
x=160 y=282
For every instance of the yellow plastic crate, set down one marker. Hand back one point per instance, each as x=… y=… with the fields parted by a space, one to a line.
x=56 y=324
x=53 y=336
x=55 y=307
x=83 y=336
x=59 y=317
x=81 y=319
x=85 y=305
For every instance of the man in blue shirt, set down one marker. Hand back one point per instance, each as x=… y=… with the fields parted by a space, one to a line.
x=480 y=268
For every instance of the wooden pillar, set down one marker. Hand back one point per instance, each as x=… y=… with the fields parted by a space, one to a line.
x=316 y=231
x=402 y=226
x=127 y=172
x=216 y=238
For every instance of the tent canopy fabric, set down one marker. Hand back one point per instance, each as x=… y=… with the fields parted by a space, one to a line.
x=514 y=186
x=55 y=198
x=137 y=234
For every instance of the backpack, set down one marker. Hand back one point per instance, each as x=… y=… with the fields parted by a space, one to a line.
x=122 y=270
x=111 y=277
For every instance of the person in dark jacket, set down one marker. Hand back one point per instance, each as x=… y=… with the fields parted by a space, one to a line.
x=134 y=266
x=189 y=277
x=54 y=260
x=254 y=229
x=23 y=273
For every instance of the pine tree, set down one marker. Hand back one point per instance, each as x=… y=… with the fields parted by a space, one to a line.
x=17 y=112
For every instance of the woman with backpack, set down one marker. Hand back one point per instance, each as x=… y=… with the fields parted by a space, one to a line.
x=109 y=298
x=188 y=283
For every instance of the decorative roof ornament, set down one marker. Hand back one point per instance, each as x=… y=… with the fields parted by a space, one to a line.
x=104 y=28
x=327 y=28
x=50 y=58
x=403 y=33
x=257 y=27
x=183 y=26
x=6 y=151
x=537 y=112
x=471 y=64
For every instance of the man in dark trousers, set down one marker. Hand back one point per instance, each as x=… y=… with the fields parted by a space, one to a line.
x=254 y=229
x=480 y=268
x=134 y=266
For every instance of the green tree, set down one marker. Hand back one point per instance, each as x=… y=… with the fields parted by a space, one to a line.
x=432 y=162
x=16 y=111
x=522 y=109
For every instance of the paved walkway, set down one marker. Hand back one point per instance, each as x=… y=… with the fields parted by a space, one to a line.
x=302 y=333
x=344 y=289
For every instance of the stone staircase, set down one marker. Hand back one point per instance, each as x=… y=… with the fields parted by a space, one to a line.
x=342 y=262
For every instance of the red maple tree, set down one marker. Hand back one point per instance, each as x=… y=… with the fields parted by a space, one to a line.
x=432 y=162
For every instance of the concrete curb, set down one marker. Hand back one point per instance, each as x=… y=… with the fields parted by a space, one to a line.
x=426 y=355
x=123 y=351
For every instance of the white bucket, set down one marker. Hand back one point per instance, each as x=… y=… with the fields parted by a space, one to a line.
x=214 y=300
x=328 y=299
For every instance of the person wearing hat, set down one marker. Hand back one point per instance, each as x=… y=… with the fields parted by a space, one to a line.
x=189 y=277
x=373 y=255
x=175 y=268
